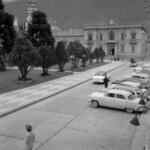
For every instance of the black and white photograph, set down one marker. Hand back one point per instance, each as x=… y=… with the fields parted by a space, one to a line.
x=74 y=74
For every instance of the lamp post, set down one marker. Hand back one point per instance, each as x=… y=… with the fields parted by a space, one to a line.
x=83 y=56
x=72 y=59
x=135 y=120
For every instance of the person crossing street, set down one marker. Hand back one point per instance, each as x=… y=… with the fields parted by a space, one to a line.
x=106 y=80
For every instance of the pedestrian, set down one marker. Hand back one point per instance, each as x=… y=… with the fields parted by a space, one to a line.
x=30 y=138
x=106 y=80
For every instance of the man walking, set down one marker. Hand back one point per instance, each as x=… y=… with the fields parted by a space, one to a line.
x=106 y=80
x=30 y=138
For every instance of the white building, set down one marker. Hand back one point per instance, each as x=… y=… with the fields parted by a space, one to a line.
x=123 y=41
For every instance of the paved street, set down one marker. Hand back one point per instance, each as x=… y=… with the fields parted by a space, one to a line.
x=15 y=100
x=67 y=121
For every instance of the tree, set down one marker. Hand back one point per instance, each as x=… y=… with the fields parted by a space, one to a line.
x=96 y=54
x=39 y=31
x=84 y=56
x=23 y=55
x=7 y=34
x=102 y=54
x=74 y=48
x=61 y=55
x=48 y=58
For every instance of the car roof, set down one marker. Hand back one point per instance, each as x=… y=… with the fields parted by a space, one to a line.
x=101 y=72
x=140 y=74
x=124 y=87
x=130 y=83
x=124 y=92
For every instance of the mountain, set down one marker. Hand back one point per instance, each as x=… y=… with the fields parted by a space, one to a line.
x=76 y=13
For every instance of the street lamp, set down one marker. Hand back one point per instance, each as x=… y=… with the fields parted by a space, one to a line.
x=135 y=120
x=72 y=59
x=83 y=56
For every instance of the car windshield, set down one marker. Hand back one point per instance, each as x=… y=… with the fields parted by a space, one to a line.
x=131 y=97
x=100 y=73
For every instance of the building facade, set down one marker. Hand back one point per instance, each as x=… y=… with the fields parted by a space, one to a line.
x=31 y=7
x=123 y=41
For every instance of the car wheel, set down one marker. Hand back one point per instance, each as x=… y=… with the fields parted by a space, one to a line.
x=129 y=110
x=95 y=103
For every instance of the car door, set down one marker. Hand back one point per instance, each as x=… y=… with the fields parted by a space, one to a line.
x=109 y=100
x=120 y=101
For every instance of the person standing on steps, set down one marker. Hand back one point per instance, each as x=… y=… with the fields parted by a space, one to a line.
x=30 y=138
x=106 y=80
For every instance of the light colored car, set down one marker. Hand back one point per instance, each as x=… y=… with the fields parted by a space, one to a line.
x=135 y=64
x=135 y=91
x=142 y=76
x=143 y=83
x=119 y=99
x=133 y=84
x=146 y=66
x=99 y=77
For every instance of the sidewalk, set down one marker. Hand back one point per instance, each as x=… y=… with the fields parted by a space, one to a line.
x=19 y=99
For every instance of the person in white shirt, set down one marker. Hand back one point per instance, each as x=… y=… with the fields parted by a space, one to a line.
x=30 y=138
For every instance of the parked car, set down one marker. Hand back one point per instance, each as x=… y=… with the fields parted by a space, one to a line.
x=135 y=64
x=135 y=91
x=99 y=77
x=146 y=67
x=133 y=84
x=142 y=76
x=119 y=99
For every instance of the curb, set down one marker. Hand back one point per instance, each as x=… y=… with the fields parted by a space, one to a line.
x=42 y=99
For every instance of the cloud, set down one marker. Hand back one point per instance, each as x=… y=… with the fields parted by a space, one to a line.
x=9 y=1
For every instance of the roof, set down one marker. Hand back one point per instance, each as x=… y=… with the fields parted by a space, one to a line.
x=130 y=83
x=120 y=91
x=101 y=73
x=124 y=86
x=140 y=74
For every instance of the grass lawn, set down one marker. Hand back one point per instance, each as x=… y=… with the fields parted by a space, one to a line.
x=8 y=79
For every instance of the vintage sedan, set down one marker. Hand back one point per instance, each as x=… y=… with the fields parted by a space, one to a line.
x=135 y=91
x=119 y=99
x=142 y=76
x=99 y=77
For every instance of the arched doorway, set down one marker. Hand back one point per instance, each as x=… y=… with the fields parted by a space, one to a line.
x=110 y=49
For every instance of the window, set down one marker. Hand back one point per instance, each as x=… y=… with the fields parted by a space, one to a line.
x=120 y=96
x=90 y=37
x=133 y=48
x=133 y=35
x=143 y=36
x=122 y=48
x=101 y=36
x=111 y=35
x=111 y=95
x=122 y=36
x=131 y=97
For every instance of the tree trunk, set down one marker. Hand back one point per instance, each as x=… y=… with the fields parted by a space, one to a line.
x=45 y=71
x=91 y=61
x=2 y=64
x=24 y=72
x=61 y=66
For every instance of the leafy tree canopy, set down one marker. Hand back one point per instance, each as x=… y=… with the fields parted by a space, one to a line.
x=48 y=58
x=61 y=55
x=23 y=55
x=39 y=31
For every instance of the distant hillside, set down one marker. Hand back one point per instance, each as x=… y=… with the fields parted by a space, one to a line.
x=76 y=13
